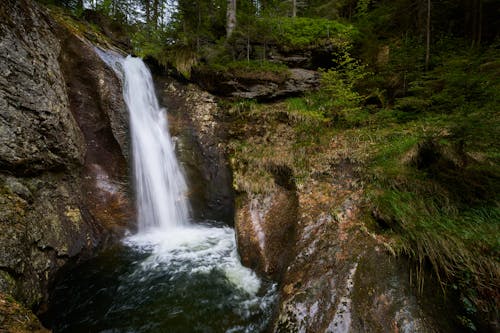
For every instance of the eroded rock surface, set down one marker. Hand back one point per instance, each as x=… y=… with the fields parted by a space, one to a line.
x=339 y=276
x=265 y=228
x=34 y=105
x=63 y=142
x=343 y=280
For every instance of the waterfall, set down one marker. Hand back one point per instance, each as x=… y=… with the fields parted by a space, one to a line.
x=191 y=266
x=160 y=185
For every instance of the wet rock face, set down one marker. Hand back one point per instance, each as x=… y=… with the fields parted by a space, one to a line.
x=194 y=121
x=325 y=287
x=341 y=278
x=63 y=175
x=37 y=131
x=95 y=95
x=265 y=226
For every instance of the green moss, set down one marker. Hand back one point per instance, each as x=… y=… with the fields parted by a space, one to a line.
x=78 y=26
x=304 y=32
x=253 y=70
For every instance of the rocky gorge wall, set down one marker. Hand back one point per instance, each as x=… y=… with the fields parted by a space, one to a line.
x=194 y=122
x=334 y=275
x=63 y=150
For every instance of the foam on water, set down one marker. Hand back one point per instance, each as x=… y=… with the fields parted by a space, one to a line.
x=195 y=249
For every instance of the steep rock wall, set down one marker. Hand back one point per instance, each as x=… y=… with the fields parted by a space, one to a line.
x=194 y=118
x=63 y=144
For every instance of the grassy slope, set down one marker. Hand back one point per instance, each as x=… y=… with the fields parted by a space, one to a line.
x=428 y=159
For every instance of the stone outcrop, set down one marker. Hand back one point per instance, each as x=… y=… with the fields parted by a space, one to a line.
x=335 y=275
x=259 y=86
x=33 y=101
x=63 y=148
x=342 y=279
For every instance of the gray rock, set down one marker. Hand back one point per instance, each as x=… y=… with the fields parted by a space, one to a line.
x=296 y=81
x=193 y=118
x=63 y=143
x=37 y=131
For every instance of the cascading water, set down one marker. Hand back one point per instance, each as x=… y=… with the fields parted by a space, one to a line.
x=160 y=185
x=174 y=275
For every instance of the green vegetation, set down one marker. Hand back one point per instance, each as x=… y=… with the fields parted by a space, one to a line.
x=303 y=32
x=431 y=165
x=251 y=66
x=427 y=143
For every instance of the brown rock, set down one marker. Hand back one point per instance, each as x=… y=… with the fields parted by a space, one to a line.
x=265 y=227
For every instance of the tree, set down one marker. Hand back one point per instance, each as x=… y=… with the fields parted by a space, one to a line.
x=428 y=36
x=231 y=17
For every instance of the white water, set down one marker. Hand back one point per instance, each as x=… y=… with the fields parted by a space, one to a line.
x=160 y=185
x=165 y=232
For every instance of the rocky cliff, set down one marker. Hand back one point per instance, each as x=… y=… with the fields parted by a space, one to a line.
x=63 y=148
x=195 y=122
x=299 y=221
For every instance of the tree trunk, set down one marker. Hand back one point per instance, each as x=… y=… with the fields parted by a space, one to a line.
x=248 y=46
x=156 y=10
x=428 y=39
x=231 y=17
x=474 y=23
x=480 y=23
x=198 y=28
x=294 y=8
x=148 y=11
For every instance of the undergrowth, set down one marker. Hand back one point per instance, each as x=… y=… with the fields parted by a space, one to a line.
x=302 y=32
x=430 y=160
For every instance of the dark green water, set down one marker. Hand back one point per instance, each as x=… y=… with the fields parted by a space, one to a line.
x=186 y=280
